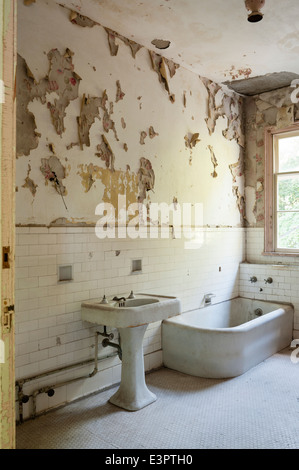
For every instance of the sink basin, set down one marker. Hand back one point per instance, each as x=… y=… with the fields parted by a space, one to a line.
x=131 y=317
x=139 y=302
x=141 y=310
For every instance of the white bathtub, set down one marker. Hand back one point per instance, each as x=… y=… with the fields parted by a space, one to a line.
x=226 y=339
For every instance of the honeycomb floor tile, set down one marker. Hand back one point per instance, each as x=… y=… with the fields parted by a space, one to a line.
x=257 y=410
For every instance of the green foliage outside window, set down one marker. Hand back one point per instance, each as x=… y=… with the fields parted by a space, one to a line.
x=288 y=198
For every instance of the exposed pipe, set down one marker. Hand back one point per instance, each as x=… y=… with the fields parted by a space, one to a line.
x=106 y=343
x=107 y=335
x=50 y=389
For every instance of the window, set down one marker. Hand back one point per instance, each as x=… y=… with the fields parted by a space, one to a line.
x=282 y=191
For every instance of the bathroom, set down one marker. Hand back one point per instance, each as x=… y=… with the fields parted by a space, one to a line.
x=99 y=116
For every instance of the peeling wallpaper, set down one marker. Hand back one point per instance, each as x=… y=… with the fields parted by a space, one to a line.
x=98 y=115
x=268 y=109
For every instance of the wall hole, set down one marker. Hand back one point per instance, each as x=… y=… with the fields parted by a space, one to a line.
x=136 y=266
x=65 y=273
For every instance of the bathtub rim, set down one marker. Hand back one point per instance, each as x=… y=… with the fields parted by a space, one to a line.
x=243 y=326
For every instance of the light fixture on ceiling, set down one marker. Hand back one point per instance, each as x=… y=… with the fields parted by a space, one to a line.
x=254 y=6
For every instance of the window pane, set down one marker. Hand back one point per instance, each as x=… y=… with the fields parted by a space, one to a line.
x=288 y=192
x=288 y=151
x=288 y=230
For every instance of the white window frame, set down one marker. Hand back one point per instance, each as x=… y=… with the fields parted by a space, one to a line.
x=270 y=247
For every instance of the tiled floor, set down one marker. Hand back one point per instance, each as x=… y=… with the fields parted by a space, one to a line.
x=258 y=410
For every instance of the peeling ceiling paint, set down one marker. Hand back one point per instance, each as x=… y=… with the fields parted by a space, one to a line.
x=161 y=43
x=213 y=39
x=257 y=85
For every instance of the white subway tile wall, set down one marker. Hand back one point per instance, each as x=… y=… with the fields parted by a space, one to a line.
x=49 y=330
x=284 y=271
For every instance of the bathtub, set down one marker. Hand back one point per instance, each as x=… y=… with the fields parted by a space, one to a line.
x=226 y=339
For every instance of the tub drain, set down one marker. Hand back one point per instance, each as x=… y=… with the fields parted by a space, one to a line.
x=258 y=312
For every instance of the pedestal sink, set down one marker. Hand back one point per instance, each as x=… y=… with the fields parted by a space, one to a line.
x=131 y=317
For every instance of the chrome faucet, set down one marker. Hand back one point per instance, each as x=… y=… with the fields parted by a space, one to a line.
x=208 y=299
x=119 y=299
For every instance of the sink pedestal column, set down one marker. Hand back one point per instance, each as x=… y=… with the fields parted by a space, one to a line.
x=133 y=393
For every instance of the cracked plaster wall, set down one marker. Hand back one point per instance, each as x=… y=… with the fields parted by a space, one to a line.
x=105 y=155
x=275 y=109
x=154 y=143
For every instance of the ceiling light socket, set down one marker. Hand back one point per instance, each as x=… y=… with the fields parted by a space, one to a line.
x=254 y=6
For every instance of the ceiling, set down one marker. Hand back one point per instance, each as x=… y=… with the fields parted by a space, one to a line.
x=212 y=38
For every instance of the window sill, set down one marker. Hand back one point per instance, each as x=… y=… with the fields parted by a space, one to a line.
x=280 y=253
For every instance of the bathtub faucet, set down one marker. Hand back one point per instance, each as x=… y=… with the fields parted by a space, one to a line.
x=208 y=298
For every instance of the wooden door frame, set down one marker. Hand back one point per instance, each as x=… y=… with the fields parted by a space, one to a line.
x=8 y=20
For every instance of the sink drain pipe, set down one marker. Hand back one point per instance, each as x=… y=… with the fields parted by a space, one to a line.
x=106 y=343
x=50 y=389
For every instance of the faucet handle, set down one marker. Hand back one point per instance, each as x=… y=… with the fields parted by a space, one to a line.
x=104 y=300
x=208 y=298
x=253 y=279
x=269 y=280
x=131 y=296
